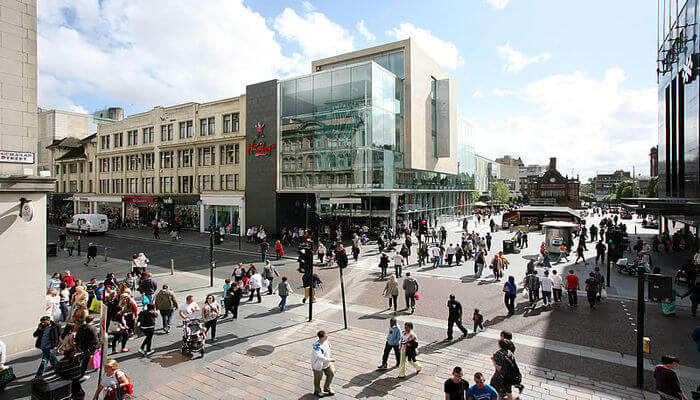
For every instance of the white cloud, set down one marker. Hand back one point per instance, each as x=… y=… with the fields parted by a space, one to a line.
x=308 y=6
x=515 y=60
x=362 y=28
x=478 y=95
x=316 y=35
x=116 y=50
x=588 y=123
x=497 y=4
x=503 y=92
x=444 y=52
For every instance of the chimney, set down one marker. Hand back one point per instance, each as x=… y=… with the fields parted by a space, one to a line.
x=552 y=163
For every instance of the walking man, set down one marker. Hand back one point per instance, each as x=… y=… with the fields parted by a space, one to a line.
x=572 y=286
x=91 y=254
x=454 y=317
x=591 y=289
x=532 y=283
x=410 y=287
x=451 y=250
x=488 y=240
x=547 y=284
x=284 y=289
x=165 y=303
x=47 y=336
x=600 y=251
x=264 y=247
x=393 y=340
x=269 y=273
x=557 y=286
x=322 y=364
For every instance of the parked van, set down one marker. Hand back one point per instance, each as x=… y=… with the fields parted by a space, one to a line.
x=88 y=223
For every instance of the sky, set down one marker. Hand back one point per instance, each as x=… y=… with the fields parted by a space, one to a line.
x=535 y=78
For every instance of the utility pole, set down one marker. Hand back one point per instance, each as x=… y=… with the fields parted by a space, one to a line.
x=211 y=256
x=641 y=309
x=342 y=294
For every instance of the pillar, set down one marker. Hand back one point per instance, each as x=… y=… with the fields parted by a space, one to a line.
x=394 y=200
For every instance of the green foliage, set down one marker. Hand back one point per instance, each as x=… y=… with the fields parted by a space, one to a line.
x=622 y=190
x=500 y=192
x=474 y=196
x=653 y=188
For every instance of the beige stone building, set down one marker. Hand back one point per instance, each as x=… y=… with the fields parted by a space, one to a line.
x=183 y=163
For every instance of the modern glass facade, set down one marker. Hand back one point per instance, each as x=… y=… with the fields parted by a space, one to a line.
x=341 y=129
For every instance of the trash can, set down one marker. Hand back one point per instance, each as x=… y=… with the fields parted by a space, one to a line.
x=51 y=249
x=52 y=389
x=508 y=247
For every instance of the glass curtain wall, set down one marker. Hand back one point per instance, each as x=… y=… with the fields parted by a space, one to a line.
x=341 y=129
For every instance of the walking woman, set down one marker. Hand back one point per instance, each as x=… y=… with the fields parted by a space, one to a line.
x=114 y=382
x=147 y=322
x=409 y=345
x=356 y=251
x=509 y=291
x=119 y=331
x=391 y=291
x=210 y=314
x=321 y=251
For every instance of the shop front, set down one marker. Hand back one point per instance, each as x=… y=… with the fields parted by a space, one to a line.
x=182 y=210
x=82 y=205
x=141 y=209
x=222 y=211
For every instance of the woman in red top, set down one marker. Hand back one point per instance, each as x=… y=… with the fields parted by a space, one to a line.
x=571 y=288
x=279 y=250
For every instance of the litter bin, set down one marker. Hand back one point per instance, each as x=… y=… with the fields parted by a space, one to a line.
x=51 y=249
x=508 y=247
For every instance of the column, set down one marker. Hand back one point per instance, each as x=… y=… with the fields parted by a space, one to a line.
x=394 y=200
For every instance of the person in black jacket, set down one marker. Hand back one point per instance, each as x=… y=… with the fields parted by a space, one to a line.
x=69 y=368
x=87 y=340
x=147 y=288
x=383 y=265
x=47 y=336
x=91 y=254
x=341 y=257
x=147 y=322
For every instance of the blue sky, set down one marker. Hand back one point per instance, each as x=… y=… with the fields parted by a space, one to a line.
x=536 y=78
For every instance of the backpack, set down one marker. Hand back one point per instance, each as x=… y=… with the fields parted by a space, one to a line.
x=511 y=372
x=412 y=286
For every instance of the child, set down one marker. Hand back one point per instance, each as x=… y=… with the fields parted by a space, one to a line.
x=478 y=320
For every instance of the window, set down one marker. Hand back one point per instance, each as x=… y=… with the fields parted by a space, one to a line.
x=73 y=168
x=104 y=185
x=228 y=182
x=132 y=185
x=236 y=154
x=205 y=182
x=90 y=186
x=118 y=140
x=89 y=166
x=235 y=181
x=206 y=156
x=73 y=186
x=185 y=158
x=117 y=164
x=58 y=169
x=147 y=185
x=104 y=164
x=184 y=184
x=229 y=154
x=132 y=138
x=167 y=159
x=186 y=129
x=147 y=160
x=166 y=184
x=147 y=135
x=104 y=142
x=207 y=126
x=231 y=123
x=117 y=185
x=132 y=162
x=166 y=132
x=81 y=167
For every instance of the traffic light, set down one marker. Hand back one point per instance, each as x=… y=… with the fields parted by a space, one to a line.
x=218 y=239
x=303 y=261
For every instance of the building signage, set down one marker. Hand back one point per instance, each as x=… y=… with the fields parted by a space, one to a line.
x=16 y=157
x=689 y=68
x=345 y=200
x=258 y=147
x=139 y=200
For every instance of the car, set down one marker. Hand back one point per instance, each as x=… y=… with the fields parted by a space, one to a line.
x=650 y=223
x=88 y=223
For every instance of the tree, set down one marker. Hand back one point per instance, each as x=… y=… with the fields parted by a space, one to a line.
x=627 y=192
x=500 y=192
x=653 y=187
x=474 y=196
x=622 y=189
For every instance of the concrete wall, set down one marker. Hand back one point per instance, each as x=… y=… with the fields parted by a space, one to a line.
x=23 y=263
x=59 y=124
x=18 y=76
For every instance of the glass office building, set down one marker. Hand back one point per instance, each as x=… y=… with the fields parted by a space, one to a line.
x=342 y=141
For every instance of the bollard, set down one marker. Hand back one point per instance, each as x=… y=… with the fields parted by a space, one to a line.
x=212 y=265
x=172 y=267
x=105 y=254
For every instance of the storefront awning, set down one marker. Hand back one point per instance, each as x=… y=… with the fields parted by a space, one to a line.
x=663 y=206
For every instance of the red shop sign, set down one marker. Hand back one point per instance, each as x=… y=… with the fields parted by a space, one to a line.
x=257 y=146
x=139 y=200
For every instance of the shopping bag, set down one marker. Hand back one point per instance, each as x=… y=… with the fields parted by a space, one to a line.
x=416 y=296
x=145 y=300
x=95 y=306
x=604 y=294
x=97 y=359
x=265 y=283
x=525 y=294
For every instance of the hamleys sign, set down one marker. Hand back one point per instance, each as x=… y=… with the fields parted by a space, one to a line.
x=258 y=147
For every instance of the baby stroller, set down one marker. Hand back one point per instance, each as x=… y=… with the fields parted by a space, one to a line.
x=193 y=337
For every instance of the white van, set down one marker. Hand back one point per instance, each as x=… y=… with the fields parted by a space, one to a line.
x=88 y=223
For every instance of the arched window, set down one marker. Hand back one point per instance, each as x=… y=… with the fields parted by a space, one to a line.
x=300 y=163
x=310 y=162
x=331 y=161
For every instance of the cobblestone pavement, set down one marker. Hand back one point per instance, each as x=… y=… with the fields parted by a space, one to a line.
x=277 y=367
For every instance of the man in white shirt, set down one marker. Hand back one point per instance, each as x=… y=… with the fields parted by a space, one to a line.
x=238 y=272
x=398 y=264
x=322 y=364
x=436 y=254
x=255 y=285
x=189 y=308
x=558 y=286
x=546 y=283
